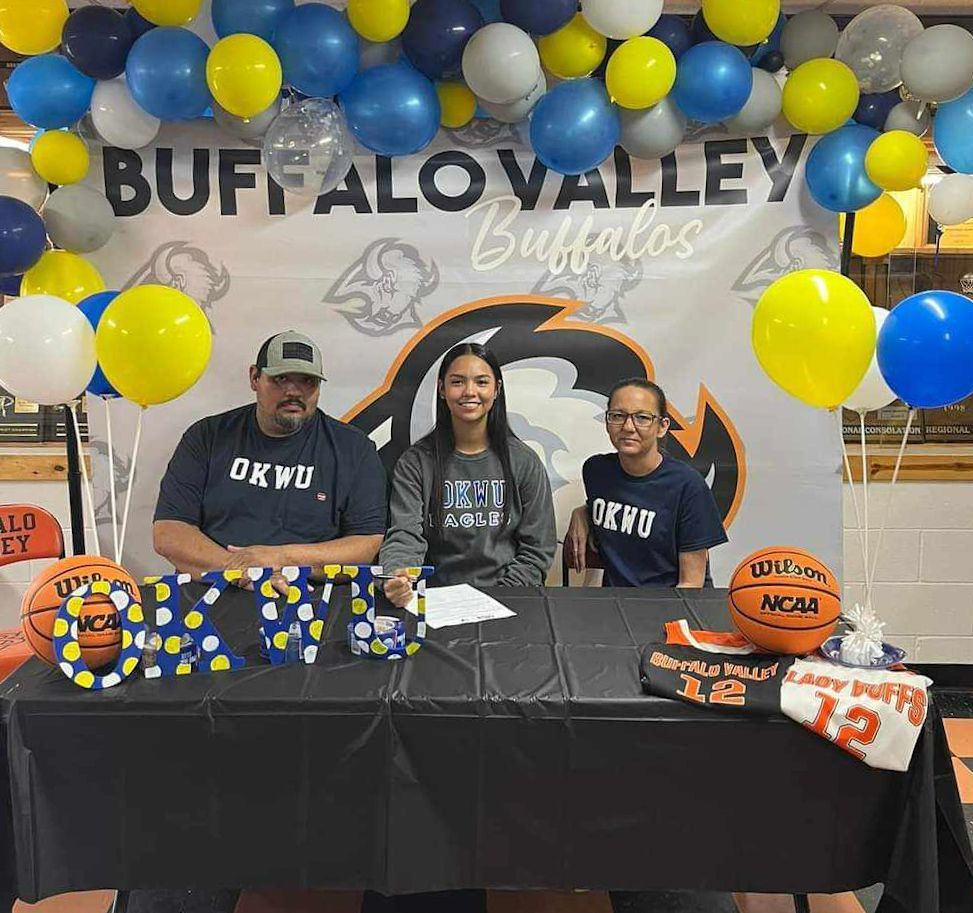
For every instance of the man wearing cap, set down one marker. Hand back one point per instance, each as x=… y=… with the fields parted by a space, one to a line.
x=273 y=483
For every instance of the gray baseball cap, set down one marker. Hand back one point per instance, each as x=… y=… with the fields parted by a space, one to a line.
x=290 y=353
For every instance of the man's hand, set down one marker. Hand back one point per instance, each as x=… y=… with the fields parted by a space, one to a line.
x=576 y=539
x=398 y=590
x=255 y=556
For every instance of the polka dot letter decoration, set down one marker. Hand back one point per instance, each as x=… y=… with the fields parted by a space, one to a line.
x=298 y=605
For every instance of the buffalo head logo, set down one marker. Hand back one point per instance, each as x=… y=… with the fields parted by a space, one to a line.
x=601 y=288
x=557 y=372
x=795 y=248
x=390 y=279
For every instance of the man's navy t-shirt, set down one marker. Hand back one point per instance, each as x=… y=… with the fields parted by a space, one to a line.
x=642 y=523
x=241 y=487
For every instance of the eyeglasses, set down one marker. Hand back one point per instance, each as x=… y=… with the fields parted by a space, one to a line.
x=640 y=419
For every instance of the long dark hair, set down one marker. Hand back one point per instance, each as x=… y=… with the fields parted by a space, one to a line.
x=442 y=442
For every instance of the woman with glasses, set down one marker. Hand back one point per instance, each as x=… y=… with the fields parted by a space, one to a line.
x=653 y=518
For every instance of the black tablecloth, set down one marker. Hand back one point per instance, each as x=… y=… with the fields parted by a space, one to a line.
x=518 y=753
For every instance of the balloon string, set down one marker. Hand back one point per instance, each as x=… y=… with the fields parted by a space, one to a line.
x=131 y=480
x=86 y=479
x=111 y=479
x=868 y=581
x=888 y=505
x=854 y=497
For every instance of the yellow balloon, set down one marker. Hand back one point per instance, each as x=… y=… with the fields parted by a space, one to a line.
x=32 y=26
x=574 y=50
x=153 y=343
x=378 y=20
x=63 y=274
x=741 y=21
x=60 y=157
x=640 y=73
x=168 y=12
x=820 y=95
x=897 y=160
x=244 y=74
x=813 y=333
x=457 y=104
x=879 y=227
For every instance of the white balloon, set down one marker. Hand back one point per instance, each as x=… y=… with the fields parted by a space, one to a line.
x=938 y=64
x=653 y=132
x=250 y=129
x=951 y=200
x=18 y=178
x=516 y=111
x=911 y=116
x=621 y=18
x=807 y=36
x=501 y=63
x=78 y=218
x=762 y=107
x=118 y=119
x=872 y=393
x=872 y=45
x=47 y=349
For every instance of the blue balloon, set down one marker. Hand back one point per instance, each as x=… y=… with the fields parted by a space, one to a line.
x=437 y=33
x=49 y=92
x=770 y=44
x=318 y=50
x=575 y=127
x=700 y=31
x=93 y=307
x=166 y=74
x=873 y=110
x=10 y=286
x=255 y=17
x=22 y=237
x=538 y=18
x=137 y=23
x=952 y=132
x=97 y=41
x=674 y=33
x=924 y=349
x=713 y=82
x=489 y=10
x=392 y=109
x=835 y=171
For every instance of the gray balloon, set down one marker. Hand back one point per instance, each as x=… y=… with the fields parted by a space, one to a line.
x=911 y=116
x=872 y=45
x=250 y=129
x=762 y=107
x=652 y=132
x=807 y=36
x=938 y=64
x=516 y=111
x=78 y=218
x=18 y=178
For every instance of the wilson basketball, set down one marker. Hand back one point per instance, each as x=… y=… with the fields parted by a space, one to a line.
x=784 y=600
x=99 y=627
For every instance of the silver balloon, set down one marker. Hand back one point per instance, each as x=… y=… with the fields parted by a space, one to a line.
x=251 y=129
x=375 y=54
x=518 y=110
x=308 y=149
x=951 y=200
x=18 y=178
x=652 y=132
x=807 y=36
x=872 y=45
x=938 y=64
x=762 y=107
x=911 y=116
x=78 y=218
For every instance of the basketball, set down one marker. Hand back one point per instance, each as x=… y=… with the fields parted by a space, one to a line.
x=784 y=600
x=99 y=627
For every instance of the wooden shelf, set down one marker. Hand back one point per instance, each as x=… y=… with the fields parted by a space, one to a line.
x=921 y=463
x=36 y=467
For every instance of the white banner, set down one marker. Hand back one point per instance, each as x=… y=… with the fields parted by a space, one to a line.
x=641 y=268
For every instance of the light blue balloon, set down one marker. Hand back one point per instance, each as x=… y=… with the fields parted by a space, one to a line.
x=49 y=92
x=166 y=74
x=392 y=109
x=255 y=17
x=952 y=132
x=713 y=82
x=575 y=127
x=835 y=171
x=318 y=50
x=93 y=307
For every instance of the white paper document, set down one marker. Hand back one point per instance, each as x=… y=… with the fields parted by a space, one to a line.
x=459 y=605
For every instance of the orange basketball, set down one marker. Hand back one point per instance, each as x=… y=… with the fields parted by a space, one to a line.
x=99 y=627
x=784 y=600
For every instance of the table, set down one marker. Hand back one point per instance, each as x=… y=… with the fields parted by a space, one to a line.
x=519 y=753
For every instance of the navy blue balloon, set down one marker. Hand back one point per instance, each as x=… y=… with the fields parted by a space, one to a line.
x=437 y=33
x=952 y=132
x=97 y=41
x=700 y=30
x=392 y=109
x=166 y=74
x=713 y=82
x=924 y=349
x=318 y=50
x=138 y=23
x=770 y=44
x=772 y=62
x=674 y=33
x=575 y=127
x=873 y=110
x=835 y=171
x=49 y=91
x=22 y=237
x=254 y=17
x=93 y=307
x=538 y=17
x=10 y=285
x=489 y=10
